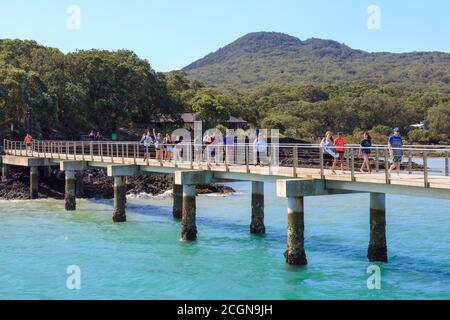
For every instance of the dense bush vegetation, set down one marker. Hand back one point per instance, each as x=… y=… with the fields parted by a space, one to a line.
x=74 y=93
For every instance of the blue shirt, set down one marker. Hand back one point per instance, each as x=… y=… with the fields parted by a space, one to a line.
x=366 y=144
x=261 y=146
x=396 y=143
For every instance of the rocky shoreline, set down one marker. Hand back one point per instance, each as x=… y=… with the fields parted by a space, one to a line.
x=97 y=185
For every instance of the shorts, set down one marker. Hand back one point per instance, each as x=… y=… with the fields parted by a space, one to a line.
x=328 y=159
x=341 y=154
x=146 y=148
x=169 y=149
x=397 y=159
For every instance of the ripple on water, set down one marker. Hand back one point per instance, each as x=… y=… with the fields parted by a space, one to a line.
x=144 y=259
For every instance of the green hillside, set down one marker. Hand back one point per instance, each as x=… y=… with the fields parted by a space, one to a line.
x=268 y=57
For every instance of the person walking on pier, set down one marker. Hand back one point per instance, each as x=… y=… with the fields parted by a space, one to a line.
x=92 y=135
x=28 y=140
x=364 y=152
x=260 y=148
x=327 y=145
x=168 y=148
x=147 y=141
x=339 y=144
x=159 y=142
x=395 y=145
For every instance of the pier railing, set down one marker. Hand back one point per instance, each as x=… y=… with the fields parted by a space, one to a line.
x=418 y=162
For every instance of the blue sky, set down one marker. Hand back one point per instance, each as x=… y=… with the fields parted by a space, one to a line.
x=171 y=34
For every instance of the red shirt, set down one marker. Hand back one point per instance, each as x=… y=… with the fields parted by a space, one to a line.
x=28 y=139
x=339 y=142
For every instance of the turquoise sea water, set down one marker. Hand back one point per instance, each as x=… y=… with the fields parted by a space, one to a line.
x=144 y=259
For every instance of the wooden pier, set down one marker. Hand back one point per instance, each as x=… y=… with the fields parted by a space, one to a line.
x=303 y=175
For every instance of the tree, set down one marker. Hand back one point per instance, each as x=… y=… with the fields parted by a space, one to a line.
x=208 y=108
x=438 y=120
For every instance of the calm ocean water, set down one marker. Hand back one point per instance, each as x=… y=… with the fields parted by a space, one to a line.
x=144 y=259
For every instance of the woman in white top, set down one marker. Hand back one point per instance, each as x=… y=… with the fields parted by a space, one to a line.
x=329 y=153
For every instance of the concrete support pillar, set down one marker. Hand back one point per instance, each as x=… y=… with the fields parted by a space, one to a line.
x=177 y=201
x=47 y=171
x=34 y=182
x=188 y=224
x=295 y=253
x=5 y=172
x=257 y=224
x=119 y=214
x=79 y=187
x=69 y=196
x=377 y=246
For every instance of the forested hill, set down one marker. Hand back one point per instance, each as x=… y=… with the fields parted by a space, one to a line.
x=269 y=57
x=70 y=94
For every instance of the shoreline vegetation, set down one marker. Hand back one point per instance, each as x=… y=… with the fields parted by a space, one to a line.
x=58 y=96
x=97 y=185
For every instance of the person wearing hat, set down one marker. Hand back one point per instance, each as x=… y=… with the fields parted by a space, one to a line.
x=395 y=144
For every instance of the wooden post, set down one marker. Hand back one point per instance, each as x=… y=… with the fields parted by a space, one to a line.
x=446 y=164
x=295 y=163
x=322 y=173
x=386 y=166
x=377 y=160
x=352 y=163
x=425 y=170
x=247 y=158
x=410 y=162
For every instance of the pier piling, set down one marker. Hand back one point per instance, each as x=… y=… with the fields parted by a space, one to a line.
x=377 y=246
x=119 y=214
x=257 y=224
x=177 y=201
x=79 y=187
x=295 y=253
x=5 y=172
x=69 y=197
x=34 y=182
x=188 y=224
